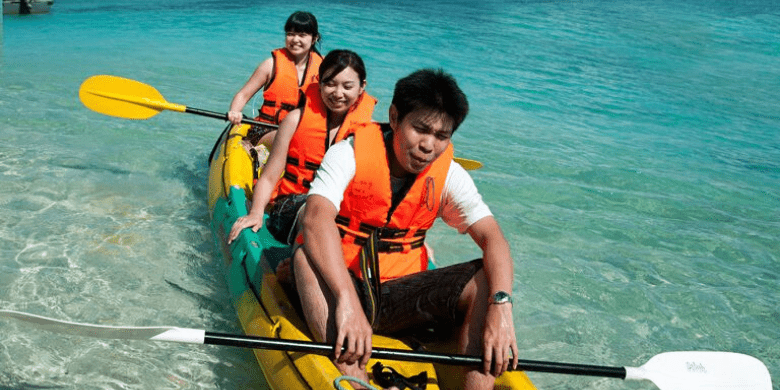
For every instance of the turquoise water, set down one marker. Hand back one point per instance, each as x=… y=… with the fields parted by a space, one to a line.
x=631 y=151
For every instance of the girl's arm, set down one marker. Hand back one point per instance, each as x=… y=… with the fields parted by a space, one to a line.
x=258 y=79
x=272 y=172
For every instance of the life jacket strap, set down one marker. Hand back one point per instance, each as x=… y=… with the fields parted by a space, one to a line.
x=384 y=232
x=306 y=164
x=392 y=247
x=284 y=107
x=384 y=235
x=294 y=178
x=265 y=117
x=369 y=267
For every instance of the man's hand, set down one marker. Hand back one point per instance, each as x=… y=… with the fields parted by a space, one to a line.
x=499 y=339
x=353 y=332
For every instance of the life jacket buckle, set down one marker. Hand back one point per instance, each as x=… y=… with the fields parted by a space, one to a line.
x=387 y=377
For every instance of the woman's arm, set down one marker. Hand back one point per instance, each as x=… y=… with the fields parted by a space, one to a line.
x=259 y=78
x=272 y=172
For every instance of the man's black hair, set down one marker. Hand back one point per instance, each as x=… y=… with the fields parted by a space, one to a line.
x=434 y=90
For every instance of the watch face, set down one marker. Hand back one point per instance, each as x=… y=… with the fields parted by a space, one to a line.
x=501 y=297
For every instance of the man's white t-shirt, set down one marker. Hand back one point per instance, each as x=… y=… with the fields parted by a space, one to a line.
x=461 y=203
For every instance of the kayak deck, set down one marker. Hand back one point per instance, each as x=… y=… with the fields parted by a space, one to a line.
x=263 y=306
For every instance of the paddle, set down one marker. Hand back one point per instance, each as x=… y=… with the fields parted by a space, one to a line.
x=125 y=98
x=130 y=99
x=669 y=371
x=467 y=164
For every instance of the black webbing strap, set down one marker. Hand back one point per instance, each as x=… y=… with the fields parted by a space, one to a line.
x=284 y=106
x=392 y=247
x=274 y=118
x=382 y=234
x=369 y=266
x=306 y=164
x=293 y=178
x=265 y=117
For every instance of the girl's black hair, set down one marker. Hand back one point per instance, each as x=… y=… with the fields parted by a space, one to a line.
x=338 y=60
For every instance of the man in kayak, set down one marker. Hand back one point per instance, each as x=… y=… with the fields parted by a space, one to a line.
x=362 y=267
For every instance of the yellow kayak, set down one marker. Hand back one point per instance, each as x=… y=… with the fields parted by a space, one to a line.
x=262 y=304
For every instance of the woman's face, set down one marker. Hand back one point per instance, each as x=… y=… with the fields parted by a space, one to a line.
x=298 y=43
x=342 y=91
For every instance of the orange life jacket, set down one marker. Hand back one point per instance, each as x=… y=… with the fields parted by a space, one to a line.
x=283 y=93
x=310 y=141
x=366 y=208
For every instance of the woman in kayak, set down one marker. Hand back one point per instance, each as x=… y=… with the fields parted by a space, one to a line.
x=284 y=76
x=333 y=108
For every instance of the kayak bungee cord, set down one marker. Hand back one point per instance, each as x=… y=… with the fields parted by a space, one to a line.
x=339 y=386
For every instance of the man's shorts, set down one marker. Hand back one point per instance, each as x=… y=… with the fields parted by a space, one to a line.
x=427 y=299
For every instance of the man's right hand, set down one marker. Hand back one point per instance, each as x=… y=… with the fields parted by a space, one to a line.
x=353 y=332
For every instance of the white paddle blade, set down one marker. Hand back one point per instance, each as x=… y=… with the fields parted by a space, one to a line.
x=157 y=333
x=703 y=370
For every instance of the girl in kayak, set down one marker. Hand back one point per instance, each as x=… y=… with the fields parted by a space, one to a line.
x=333 y=108
x=284 y=76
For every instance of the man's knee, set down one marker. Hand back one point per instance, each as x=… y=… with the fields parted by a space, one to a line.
x=476 y=290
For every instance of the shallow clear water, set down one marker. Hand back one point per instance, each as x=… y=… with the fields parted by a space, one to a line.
x=631 y=151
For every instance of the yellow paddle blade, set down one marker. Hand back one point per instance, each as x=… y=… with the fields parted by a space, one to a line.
x=467 y=164
x=123 y=98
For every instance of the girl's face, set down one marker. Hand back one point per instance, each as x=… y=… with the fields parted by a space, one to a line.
x=298 y=43
x=342 y=91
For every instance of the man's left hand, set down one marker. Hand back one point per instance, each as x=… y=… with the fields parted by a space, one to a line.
x=499 y=339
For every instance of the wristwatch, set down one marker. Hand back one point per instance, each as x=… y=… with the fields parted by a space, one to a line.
x=500 y=297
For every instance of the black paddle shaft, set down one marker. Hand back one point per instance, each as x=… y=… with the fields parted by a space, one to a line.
x=404 y=355
x=223 y=116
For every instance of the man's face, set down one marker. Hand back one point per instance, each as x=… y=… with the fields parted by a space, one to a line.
x=420 y=138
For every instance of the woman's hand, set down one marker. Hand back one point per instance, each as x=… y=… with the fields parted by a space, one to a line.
x=235 y=117
x=251 y=220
